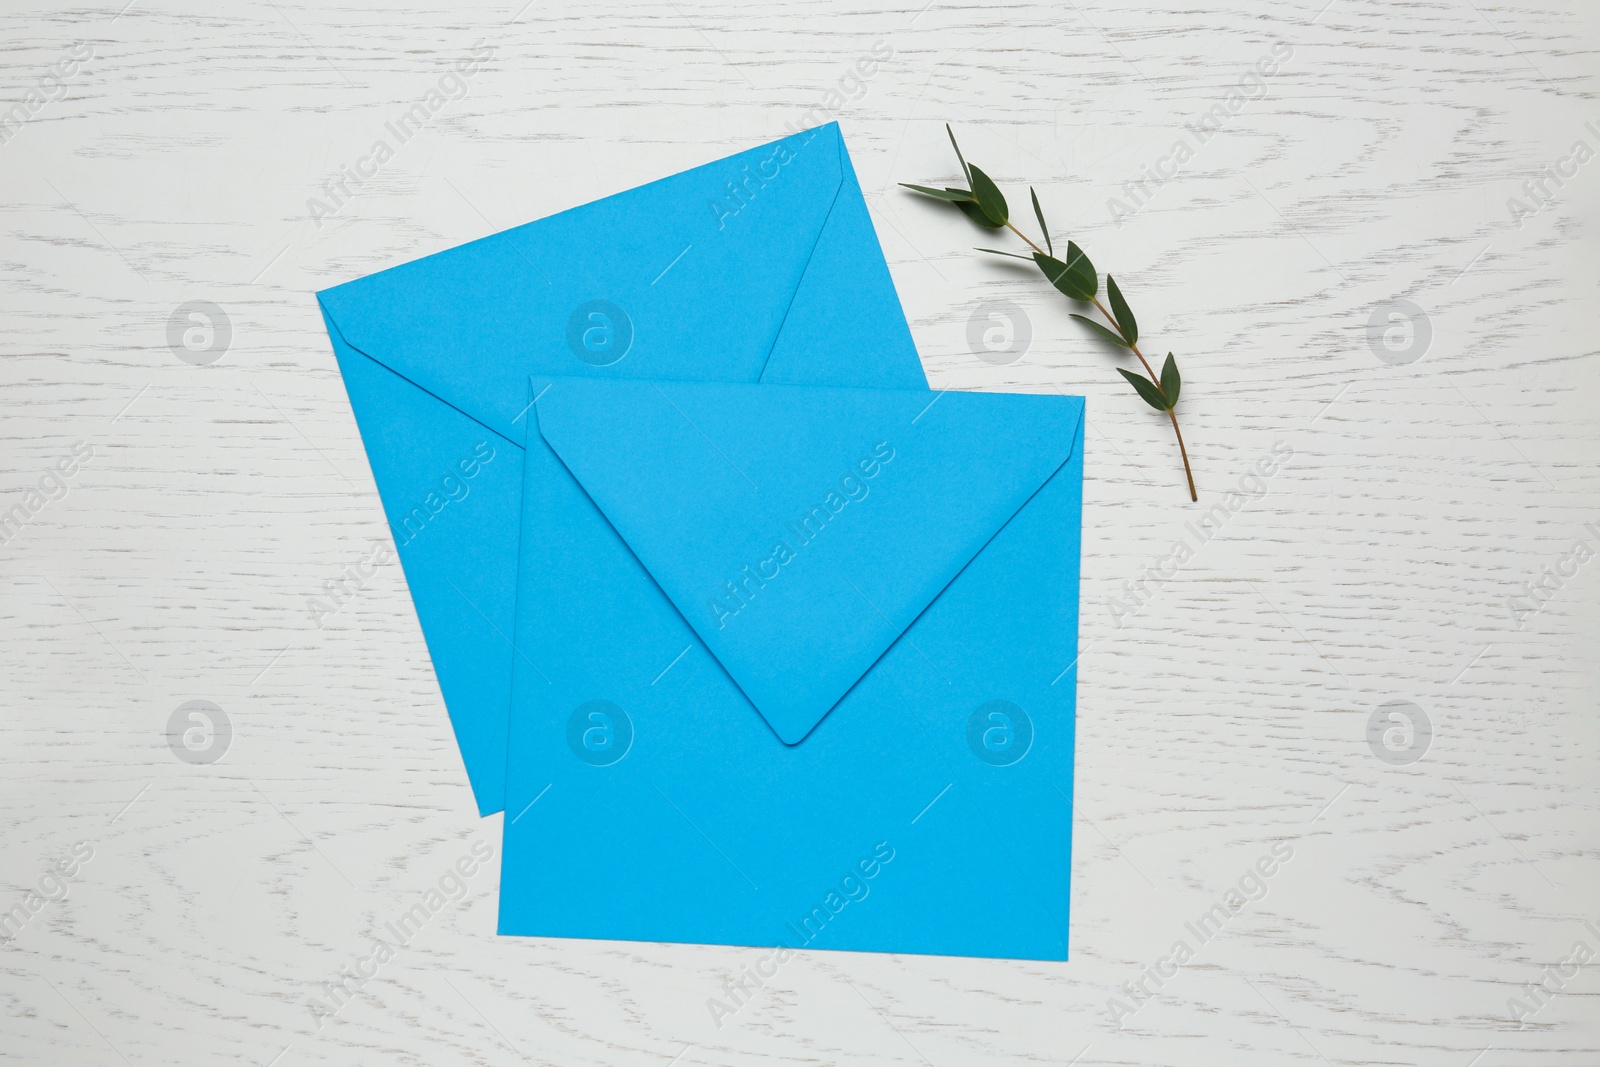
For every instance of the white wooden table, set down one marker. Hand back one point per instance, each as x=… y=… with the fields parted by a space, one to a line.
x=1436 y=462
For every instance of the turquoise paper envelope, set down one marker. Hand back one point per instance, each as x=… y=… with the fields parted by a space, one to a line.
x=759 y=267
x=796 y=667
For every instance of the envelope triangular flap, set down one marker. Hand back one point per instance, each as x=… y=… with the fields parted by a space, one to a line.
x=710 y=257
x=800 y=530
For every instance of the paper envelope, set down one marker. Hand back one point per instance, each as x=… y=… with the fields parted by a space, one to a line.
x=759 y=267
x=796 y=668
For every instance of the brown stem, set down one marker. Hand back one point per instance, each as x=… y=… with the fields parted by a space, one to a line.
x=1193 y=496
x=1010 y=226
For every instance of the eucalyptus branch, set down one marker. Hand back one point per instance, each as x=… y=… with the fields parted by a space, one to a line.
x=1075 y=278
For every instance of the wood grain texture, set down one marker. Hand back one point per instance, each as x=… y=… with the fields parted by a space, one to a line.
x=1227 y=713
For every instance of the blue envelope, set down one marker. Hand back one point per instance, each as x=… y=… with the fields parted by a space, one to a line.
x=759 y=267
x=796 y=668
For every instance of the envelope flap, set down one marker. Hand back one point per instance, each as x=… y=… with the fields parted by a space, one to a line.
x=636 y=285
x=798 y=529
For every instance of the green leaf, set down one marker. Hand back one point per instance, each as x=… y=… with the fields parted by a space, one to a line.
x=1170 y=382
x=1071 y=282
x=975 y=213
x=1102 y=331
x=1038 y=213
x=1146 y=389
x=988 y=195
x=1122 y=312
x=965 y=171
x=1079 y=264
x=997 y=252
x=954 y=195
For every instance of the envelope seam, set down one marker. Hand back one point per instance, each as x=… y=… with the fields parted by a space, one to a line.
x=810 y=255
x=327 y=313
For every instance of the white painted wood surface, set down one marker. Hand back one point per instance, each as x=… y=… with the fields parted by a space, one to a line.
x=1227 y=714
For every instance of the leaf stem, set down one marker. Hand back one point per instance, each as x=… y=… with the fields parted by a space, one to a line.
x=1171 y=414
x=1194 y=497
x=1013 y=228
